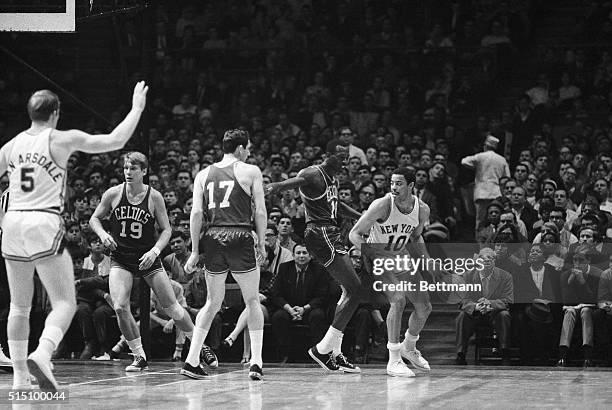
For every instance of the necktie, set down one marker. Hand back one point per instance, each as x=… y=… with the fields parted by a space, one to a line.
x=485 y=286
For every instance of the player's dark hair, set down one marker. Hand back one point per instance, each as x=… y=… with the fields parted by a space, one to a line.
x=42 y=104
x=233 y=138
x=136 y=158
x=408 y=174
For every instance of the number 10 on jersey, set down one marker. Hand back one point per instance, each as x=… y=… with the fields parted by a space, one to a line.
x=227 y=186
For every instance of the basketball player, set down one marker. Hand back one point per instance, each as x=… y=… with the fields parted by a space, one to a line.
x=319 y=191
x=134 y=210
x=33 y=228
x=393 y=220
x=227 y=191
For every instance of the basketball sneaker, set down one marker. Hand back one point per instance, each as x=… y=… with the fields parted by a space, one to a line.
x=414 y=356
x=139 y=364
x=345 y=365
x=209 y=357
x=3 y=359
x=399 y=369
x=41 y=369
x=255 y=372
x=326 y=361
x=194 y=372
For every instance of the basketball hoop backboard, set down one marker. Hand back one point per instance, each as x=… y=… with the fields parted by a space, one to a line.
x=40 y=16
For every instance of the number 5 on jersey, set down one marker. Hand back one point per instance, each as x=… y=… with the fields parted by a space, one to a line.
x=210 y=187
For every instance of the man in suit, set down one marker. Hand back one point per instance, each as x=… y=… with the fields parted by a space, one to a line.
x=489 y=305
x=579 y=285
x=536 y=281
x=300 y=291
x=522 y=209
x=422 y=192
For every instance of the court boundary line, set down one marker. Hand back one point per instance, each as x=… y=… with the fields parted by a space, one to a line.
x=210 y=376
x=144 y=373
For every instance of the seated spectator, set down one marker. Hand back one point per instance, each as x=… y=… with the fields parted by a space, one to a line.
x=522 y=210
x=175 y=262
x=285 y=233
x=92 y=298
x=489 y=230
x=602 y=317
x=579 y=285
x=159 y=318
x=299 y=293
x=367 y=194
x=536 y=291
x=489 y=306
x=97 y=262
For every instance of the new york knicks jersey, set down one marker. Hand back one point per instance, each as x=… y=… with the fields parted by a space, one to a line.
x=225 y=201
x=397 y=229
x=36 y=181
x=324 y=208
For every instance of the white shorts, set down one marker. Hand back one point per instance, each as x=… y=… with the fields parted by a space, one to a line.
x=31 y=235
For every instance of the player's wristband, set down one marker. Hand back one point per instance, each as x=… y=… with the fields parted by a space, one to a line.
x=156 y=250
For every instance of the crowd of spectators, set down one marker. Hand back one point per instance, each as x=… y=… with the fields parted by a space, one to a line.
x=401 y=86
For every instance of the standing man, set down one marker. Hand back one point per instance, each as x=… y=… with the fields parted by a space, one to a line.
x=134 y=210
x=399 y=209
x=319 y=191
x=33 y=229
x=227 y=191
x=489 y=167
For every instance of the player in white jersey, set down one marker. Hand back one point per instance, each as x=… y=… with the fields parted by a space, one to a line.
x=33 y=229
x=389 y=223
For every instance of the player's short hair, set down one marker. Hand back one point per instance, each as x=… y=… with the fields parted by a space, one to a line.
x=137 y=158
x=42 y=104
x=408 y=174
x=233 y=138
x=331 y=146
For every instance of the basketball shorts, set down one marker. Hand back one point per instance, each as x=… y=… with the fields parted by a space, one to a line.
x=228 y=249
x=323 y=242
x=31 y=235
x=130 y=262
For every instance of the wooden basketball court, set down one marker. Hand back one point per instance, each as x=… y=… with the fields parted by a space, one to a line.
x=95 y=385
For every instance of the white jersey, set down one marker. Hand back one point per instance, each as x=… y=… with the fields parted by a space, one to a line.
x=398 y=227
x=36 y=181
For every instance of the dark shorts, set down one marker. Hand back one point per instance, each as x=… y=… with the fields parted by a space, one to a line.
x=323 y=242
x=229 y=250
x=130 y=263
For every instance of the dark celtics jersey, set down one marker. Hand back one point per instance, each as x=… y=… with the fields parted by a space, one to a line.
x=324 y=208
x=132 y=226
x=225 y=201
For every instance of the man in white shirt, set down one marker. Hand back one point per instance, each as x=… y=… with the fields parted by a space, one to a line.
x=489 y=167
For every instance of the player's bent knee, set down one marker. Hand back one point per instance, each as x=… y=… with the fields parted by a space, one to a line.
x=175 y=311
x=423 y=309
x=19 y=311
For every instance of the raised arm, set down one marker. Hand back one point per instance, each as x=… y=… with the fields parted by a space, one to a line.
x=470 y=161
x=66 y=142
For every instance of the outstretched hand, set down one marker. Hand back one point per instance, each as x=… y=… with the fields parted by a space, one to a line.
x=139 y=100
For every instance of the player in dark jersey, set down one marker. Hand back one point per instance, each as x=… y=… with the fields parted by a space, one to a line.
x=134 y=209
x=319 y=191
x=225 y=192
